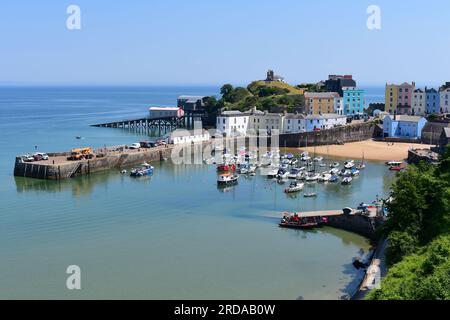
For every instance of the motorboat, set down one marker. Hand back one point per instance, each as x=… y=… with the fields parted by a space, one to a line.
x=335 y=165
x=325 y=177
x=347 y=180
x=345 y=173
x=226 y=179
x=312 y=177
x=293 y=174
x=272 y=173
x=334 y=171
x=310 y=195
x=393 y=163
x=349 y=164
x=294 y=162
x=295 y=221
x=294 y=187
x=144 y=170
x=334 y=179
x=355 y=172
x=282 y=174
x=318 y=159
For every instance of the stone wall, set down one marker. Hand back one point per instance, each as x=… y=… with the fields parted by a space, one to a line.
x=360 y=224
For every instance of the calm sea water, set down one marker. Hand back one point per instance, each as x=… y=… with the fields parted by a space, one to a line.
x=174 y=235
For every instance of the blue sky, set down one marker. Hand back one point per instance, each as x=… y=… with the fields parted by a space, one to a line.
x=214 y=42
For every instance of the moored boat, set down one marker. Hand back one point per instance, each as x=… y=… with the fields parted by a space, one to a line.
x=349 y=164
x=347 y=180
x=227 y=179
x=144 y=170
x=294 y=187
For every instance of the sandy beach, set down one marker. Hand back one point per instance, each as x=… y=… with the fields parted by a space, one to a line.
x=373 y=150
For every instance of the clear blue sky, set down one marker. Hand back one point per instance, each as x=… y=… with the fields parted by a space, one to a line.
x=213 y=42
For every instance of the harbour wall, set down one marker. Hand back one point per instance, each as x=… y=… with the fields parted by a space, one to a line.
x=101 y=162
x=339 y=135
x=359 y=224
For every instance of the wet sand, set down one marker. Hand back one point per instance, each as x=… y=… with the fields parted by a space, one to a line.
x=372 y=150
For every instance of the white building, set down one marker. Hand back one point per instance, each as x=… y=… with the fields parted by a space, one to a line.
x=445 y=100
x=419 y=102
x=294 y=123
x=339 y=106
x=165 y=112
x=259 y=120
x=232 y=123
x=333 y=120
x=185 y=136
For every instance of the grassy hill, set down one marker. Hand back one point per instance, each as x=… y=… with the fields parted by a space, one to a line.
x=290 y=90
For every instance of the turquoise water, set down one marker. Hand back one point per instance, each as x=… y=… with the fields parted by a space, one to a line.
x=171 y=236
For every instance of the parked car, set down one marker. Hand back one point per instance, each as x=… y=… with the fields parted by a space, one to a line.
x=27 y=158
x=147 y=144
x=38 y=156
x=134 y=146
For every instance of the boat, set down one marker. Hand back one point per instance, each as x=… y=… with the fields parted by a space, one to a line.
x=393 y=163
x=318 y=159
x=226 y=167
x=226 y=179
x=312 y=177
x=349 y=164
x=282 y=173
x=345 y=173
x=294 y=187
x=362 y=164
x=293 y=174
x=272 y=173
x=305 y=156
x=294 y=221
x=335 y=165
x=310 y=195
x=347 y=180
x=294 y=162
x=333 y=179
x=334 y=171
x=144 y=170
x=322 y=165
x=397 y=168
x=355 y=172
x=325 y=177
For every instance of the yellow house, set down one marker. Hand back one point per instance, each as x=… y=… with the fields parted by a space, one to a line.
x=321 y=102
x=391 y=98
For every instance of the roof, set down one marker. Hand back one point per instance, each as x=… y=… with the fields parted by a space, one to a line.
x=314 y=117
x=295 y=116
x=332 y=116
x=192 y=99
x=163 y=109
x=435 y=127
x=321 y=95
x=418 y=90
x=232 y=113
x=432 y=90
x=406 y=118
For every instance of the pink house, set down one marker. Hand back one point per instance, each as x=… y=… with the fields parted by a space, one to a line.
x=405 y=94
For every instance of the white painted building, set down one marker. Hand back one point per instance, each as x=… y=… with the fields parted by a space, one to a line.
x=259 y=120
x=232 y=123
x=339 y=106
x=185 y=136
x=294 y=123
x=165 y=112
x=445 y=100
x=419 y=102
x=333 y=120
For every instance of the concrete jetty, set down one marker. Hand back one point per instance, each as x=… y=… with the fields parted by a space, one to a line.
x=58 y=167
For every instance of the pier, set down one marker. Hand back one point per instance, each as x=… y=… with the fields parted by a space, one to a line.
x=162 y=124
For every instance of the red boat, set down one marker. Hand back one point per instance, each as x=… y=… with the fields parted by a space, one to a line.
x=294 y=221
x=226 y=168
x=397 y=168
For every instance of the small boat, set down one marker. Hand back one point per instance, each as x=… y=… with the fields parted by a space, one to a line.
x=349 y=164
x=345 y=173
x=318 y=159
x=397 y=168
x=322 y=165
x=355 y=172
x=335 y=165
x=360 y=166
x=325 y=177
x=272 y=173
x=294 y=162
x=334 y=171
x=347 y=180
x=294 y=187
x=227 y=179
x=294 y=221
x=393 y=163
x=310 y=195
x=293 y=174
x=282 y=174
x=333 y=179
x=144 y=170
x=312 y=177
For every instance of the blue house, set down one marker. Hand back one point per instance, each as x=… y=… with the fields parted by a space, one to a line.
x=353 y=101
x=314 y=121
x=433 y=101
x=403 y=126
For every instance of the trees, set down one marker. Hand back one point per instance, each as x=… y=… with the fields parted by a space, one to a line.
x=418 y=230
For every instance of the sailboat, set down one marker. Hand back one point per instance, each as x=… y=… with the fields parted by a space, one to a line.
x=362 y=164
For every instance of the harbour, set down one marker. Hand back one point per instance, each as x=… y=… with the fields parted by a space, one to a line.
x=92 y=217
